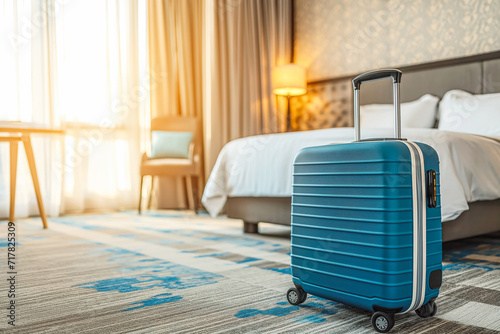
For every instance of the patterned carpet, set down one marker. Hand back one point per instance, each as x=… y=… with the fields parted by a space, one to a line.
x=173 y=272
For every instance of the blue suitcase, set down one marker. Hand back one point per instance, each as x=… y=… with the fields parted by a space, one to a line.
x=366 y=222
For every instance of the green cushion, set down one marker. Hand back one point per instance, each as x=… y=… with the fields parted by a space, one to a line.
x=170 y=144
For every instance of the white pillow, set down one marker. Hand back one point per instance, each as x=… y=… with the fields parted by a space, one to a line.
x=463 y=112
x=420 y=113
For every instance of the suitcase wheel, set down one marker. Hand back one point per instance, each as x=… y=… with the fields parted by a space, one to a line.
x=427 y=310
x=296 y=296
x=382 y=322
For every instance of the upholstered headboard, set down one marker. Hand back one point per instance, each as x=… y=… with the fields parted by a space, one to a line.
x=474 y=77
x=328 y=103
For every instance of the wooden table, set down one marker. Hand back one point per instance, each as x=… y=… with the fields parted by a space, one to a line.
x=16 y=132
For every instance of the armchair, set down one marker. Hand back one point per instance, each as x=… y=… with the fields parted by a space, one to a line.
x=189 y=167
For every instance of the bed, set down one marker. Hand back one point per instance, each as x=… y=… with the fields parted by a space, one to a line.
x=252 y=176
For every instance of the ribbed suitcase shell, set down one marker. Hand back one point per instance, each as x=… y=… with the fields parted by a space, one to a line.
x=352 y=224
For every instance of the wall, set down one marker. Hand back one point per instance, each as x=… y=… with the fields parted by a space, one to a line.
x=326 y=105
x=343 y=37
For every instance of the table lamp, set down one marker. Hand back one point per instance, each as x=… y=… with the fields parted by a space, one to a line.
x=289 y=80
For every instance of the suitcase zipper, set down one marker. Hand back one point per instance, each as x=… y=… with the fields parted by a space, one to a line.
x=419 y=229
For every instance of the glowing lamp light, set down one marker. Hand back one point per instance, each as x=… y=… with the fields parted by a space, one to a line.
x=289 y=80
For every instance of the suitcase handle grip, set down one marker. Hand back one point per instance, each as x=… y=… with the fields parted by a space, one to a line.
x=375 y=75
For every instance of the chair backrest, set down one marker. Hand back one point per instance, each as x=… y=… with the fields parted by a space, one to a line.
x=180 y=123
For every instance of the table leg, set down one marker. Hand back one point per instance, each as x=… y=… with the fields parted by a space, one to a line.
x=34 y=176
x=13 y=174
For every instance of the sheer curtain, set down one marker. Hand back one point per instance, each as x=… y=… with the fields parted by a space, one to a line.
x=103 y=88
x=27 y=94
x=81 y=65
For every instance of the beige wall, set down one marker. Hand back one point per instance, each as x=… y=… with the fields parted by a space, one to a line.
x=341 y=37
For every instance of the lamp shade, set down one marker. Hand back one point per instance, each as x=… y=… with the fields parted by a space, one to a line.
x=289 y=80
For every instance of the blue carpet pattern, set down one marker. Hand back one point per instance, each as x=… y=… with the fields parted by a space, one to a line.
x=175 y=272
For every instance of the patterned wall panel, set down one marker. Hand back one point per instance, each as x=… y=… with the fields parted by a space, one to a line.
x=324 y=106
x=335 y=38
x=340 y=37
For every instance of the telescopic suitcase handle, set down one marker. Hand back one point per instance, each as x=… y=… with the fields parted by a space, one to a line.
x=375 y=75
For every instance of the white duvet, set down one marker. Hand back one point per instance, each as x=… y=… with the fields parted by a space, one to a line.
x=261 y=166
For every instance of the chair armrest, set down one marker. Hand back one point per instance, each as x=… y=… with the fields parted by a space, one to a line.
x=192 y=157
x=144 y=157
x=196 y=158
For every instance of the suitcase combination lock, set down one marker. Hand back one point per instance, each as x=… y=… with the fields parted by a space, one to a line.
x=431 y=188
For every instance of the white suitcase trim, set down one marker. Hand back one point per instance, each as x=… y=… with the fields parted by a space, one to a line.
x=419 y=228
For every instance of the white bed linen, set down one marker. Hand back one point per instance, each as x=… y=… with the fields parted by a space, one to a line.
x=261 y=166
